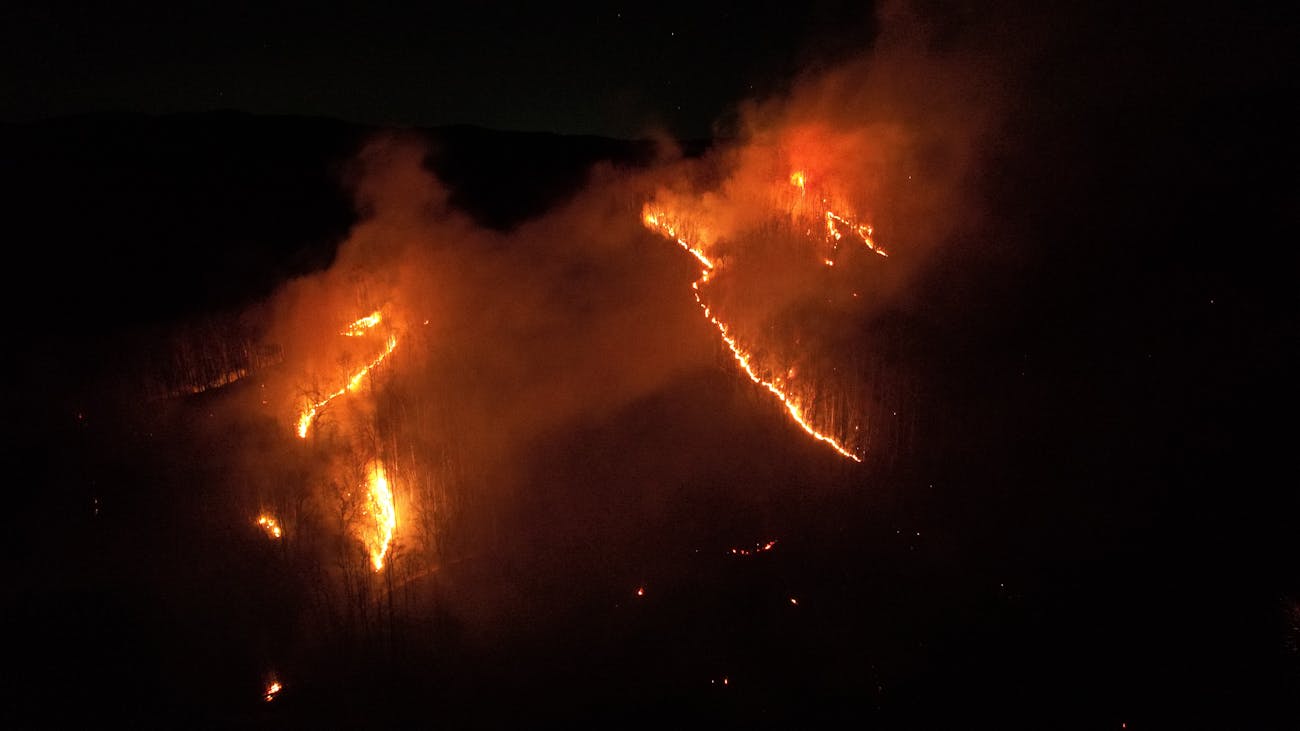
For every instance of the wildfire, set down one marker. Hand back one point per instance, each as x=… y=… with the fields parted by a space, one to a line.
x=379 y=505
x=354 y=382
x=861 y=230
x=360 y=327
x=758 y=548
x=798 y=180
x=659 y=222
x=270 y=525
x=272 y=690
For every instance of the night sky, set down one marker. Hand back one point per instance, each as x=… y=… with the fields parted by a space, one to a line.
x=610 y=70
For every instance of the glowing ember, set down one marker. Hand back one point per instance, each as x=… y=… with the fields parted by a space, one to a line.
x=640 y=591
x=662 y=223
x=360 y=327
x=797 y=179
x=270 y=525
x=758 y=548
x=379 y=505
x=272 y=690
x=862 y=231
x=658 y=221
x=309 y=414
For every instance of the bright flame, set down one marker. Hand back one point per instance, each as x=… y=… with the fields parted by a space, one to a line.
x=661 y=222
x=272 y=690
x=379 y=505
x=758 y=548
x=270 y=525
x=657 y=221
x=861 y=230
x=360 y=327
x=309 y=414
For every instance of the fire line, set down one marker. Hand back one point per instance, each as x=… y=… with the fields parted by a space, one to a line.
x=659 y=222
x=354 y=382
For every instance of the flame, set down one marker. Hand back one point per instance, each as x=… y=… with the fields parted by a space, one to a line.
x=658 y=221
x=309 y=414
x=379 y=504
x=861 y=230
x=272 y=690
x=758 y=548
x=360 y=327
x=270 y=525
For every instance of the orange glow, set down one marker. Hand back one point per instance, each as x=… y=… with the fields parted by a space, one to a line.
x=792 y=406
x=758 y=548
x=379 y=505
x=640 y=591
x=309 y=413
x=270 y=525
x=661 y=222
x=861 y=230
x=272 y=690
x=657 y=221
x=360 y=327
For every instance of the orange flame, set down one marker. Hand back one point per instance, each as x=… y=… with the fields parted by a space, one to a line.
x=272 y=690
x=270 y=525
x=658 y=222
x=379 y=504
x=862 y=231
x=758 y=548
x=360 y=327
x=309 y=414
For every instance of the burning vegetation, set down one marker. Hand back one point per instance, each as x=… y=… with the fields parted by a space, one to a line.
x=271 y=526
x=451 y=416
x=776 y=379
x=449 y=452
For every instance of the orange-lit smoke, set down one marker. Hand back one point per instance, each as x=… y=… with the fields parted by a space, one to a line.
x=512 y=341
x=364 y=324
x=312 y=408
x=660 y=221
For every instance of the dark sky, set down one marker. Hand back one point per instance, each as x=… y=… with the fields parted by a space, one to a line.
x=620 y=69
